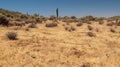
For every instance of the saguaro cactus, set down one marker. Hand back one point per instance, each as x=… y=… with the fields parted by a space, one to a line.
x=57 y=14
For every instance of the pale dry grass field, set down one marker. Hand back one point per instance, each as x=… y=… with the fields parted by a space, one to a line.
x=56 y=47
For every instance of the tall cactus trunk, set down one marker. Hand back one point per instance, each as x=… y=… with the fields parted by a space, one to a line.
x=57 y=14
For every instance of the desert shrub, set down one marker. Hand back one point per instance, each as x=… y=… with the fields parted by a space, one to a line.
x=89 y=18
x=23 y=16
x=118 y=23
x=67 y=23
x=112 y=30
x=101 y=21
x=38 y=20
x=89 y=22
x=70 y=20
x=32 y=25
x=66 y=28
x=12 y=35
x=53 y=24
x=26 y=29
x=10 y=16
x=84 y=20
x=79 y=24
x=73 y=17
x=52 y=17
x=73 y=28
x=19 y=23
x=90 y=27
x=97 y=30
x=110 y=24
x=70 y=28
x=63 y=24
x=91 y=34
x=4 y=21
x=29 y=21
x=86 y=65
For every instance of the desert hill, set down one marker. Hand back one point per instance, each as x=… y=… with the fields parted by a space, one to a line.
x=37 y=41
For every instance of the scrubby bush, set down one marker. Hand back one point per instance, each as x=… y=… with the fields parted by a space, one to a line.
x=52 y=17
x=79 y=24
x=73 y=28
x=90 y=27
x=89 y=22
x=26 y=29
x=19 y=23
x=118 y=23
x=29 y=21
x=4 y=21
x=70 y=28
x=112 y=30
x=12 y=35
x=110 y=24
x=97 y=30
x=66 y=28
x=73 y=17
x=89 y=18
x=32 y=25
x=51 y=24
x=91 y=34
x=38 y=20
x=101 y=21
x=69 y=20
x=23 y=17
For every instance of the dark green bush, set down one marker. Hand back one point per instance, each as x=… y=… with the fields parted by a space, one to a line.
x=4 y=21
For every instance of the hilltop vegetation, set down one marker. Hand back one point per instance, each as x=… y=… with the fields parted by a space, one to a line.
x=38 y=41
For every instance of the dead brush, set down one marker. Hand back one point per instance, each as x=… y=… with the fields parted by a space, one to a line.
x=32 y=25
x=71 y=28
x=27 y=29
x=90 y=27
x=89 y=22
x=91 y=34
x=97 y=30
x=51 y=24
x=79 y=24
x=101 y=22
x=110 y=24
x=12 y=35
x=112 y=30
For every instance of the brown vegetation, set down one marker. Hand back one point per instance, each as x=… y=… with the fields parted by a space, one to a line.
x=95 y=44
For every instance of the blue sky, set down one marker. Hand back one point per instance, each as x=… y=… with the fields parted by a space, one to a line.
x=79 y=8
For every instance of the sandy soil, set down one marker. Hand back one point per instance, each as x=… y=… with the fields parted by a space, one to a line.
x=55 y=47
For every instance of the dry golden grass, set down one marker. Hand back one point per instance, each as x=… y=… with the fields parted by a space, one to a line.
x=55 y=47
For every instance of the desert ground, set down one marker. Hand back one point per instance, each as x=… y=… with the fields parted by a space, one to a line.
x=56 y=47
